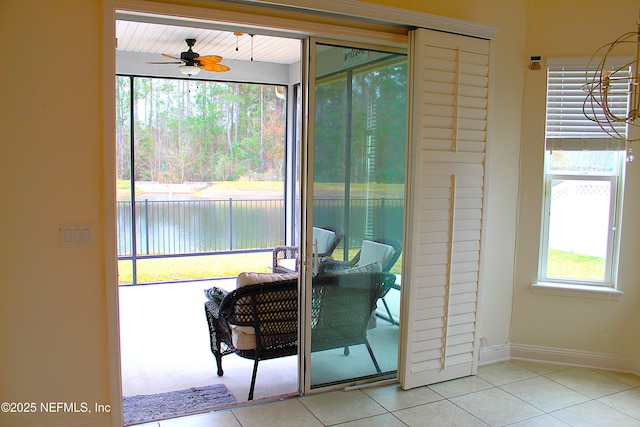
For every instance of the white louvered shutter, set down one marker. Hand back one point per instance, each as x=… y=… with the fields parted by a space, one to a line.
x=450 y=79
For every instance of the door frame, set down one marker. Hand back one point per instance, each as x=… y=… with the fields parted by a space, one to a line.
x=391 y=26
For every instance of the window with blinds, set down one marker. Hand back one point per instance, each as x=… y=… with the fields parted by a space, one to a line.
x=567 y=125
x=584 y=167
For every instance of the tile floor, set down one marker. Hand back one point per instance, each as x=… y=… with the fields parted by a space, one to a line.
x=515 y=393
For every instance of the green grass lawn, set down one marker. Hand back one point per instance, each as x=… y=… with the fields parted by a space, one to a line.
x=561 y=265
x=205 y=267
x=570 y=265
x=194 y=267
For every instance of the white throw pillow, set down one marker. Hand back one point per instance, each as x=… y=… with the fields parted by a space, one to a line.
x=249 y=278
x=375 y=252
x=243 y=337
x=374 y=267
x=324 y=238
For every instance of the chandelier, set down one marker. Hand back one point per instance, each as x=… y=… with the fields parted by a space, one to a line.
x=607 y=81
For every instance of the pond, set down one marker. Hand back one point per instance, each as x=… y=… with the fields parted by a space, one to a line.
x=174 y=227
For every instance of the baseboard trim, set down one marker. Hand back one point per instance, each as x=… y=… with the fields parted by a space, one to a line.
x=559 y=356
x=584 y=359
x=494 y=354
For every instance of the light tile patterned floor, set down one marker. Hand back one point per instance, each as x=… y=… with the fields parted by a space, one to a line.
x=516 y=393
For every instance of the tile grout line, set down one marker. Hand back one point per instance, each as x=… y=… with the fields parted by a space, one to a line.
x=448 y=399
x=299 y=399
x=535 y=375
x=464 y=410
x=588 y=399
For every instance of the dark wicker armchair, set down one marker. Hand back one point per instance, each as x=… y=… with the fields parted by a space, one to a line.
x=333 y=266
x=341 y=308
x=271 y=309
x=281 y=253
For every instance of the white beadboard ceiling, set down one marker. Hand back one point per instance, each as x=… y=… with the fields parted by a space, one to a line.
x=161 y=38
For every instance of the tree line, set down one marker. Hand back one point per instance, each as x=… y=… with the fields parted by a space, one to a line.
x=360 y=125
x=199 y=131
x=187 y=130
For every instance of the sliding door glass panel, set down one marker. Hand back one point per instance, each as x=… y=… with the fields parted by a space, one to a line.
x=359 y=146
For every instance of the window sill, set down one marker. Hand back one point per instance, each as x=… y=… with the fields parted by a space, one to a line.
x=567 y=290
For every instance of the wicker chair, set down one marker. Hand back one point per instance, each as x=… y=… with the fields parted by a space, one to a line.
x=291 y=252
x=341 y=308
x=271 y=309
x=333 y=266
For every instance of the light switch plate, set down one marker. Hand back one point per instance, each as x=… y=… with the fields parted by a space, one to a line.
x=72 y=235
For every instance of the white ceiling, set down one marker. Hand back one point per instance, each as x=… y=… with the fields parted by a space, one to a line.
x=159 y=38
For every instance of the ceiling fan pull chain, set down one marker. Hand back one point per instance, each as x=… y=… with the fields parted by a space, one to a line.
x=252 y=46
x=237 y=34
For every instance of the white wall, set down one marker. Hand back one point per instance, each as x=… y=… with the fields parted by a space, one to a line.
x=574 y=328
x=53 y=308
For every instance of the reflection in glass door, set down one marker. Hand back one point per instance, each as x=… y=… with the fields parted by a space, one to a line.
x=358 y=138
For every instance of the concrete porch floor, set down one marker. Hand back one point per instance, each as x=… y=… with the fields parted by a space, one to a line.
x=165 y=347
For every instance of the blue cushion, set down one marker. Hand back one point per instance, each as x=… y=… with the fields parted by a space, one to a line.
x=215 y=294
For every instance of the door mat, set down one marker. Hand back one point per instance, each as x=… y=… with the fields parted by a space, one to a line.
x=150 y=407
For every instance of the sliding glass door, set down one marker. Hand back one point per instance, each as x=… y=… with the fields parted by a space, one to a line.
x=357 y=147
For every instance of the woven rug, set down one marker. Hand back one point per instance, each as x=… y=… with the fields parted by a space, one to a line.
x=151 y=407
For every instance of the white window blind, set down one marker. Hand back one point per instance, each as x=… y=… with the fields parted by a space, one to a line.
x=567 y=126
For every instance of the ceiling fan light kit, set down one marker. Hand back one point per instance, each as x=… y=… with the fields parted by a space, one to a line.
x=189 y=70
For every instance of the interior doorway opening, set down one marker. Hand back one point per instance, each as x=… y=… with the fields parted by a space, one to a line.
x=162 y=317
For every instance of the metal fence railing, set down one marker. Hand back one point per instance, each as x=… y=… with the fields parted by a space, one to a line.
x=173 y=228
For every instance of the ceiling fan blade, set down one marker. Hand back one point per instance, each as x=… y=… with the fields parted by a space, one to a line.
x=172 y=57
x=211 y=63
x=209 y=59
x=215 y=67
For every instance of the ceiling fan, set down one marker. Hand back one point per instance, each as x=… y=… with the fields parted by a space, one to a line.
x=191 y=62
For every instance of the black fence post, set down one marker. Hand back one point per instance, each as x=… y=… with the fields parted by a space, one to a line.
x=146 y=223
x=230 y=224
x=383 y=230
